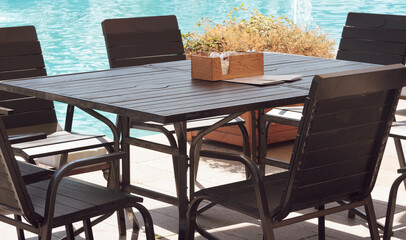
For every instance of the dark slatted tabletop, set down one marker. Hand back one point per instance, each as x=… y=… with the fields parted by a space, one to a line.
x=166 y=93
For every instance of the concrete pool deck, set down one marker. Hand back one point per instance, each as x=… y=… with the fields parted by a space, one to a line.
x=154 y=170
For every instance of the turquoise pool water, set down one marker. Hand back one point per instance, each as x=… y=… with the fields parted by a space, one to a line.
x=72 y=40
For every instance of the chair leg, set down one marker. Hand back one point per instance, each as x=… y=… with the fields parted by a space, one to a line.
x=271 y=237
x=88 y=229
x=196 y=159
x=173 y=145
x=263 y=135
x=400 y=154
x=46 y=232
x=121 y=223
x=205 y=208
x=267 y=229
x=351 y=214
x=133 y=222
x=390 y=212
x=371 y=218
x=20 y=232
x=192 y=224
x=149 y=226
x=321 y=224
x=191 y=220
x=175 y=172
x=62 y=160
x=361 y=214
x=246 y=149
x=70 y=235
x=132 y=219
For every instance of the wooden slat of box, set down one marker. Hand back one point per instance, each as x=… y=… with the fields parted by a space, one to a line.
x=241 y=65
x=206 y=68
x=246 y=65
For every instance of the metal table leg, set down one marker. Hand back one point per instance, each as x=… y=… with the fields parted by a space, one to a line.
x=180 y=129
x=180 y=152
x=125 y=131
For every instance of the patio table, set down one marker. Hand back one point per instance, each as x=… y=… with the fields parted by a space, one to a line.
x=165 y=93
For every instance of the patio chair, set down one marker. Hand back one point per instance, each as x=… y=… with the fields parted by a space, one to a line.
x=60 y=201
x=390 y=211
x=33 y=128
x=157 y=39
x=341 y=127
x=398 y=132
x=371 y=38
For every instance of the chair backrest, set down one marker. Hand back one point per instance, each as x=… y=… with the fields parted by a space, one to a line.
x=142 y=40
x=20 y=57
x=373 y=38
x=13 y=193
x=342 y=136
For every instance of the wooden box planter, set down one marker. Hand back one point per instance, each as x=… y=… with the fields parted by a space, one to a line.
x=232 y=135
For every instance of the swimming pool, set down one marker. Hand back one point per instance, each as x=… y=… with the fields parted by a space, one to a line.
x=72 y=40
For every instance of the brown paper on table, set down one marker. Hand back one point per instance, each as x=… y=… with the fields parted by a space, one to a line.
x=265 y=79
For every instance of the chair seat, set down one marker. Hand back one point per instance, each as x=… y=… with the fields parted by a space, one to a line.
x=32 y=173
x=77 y=198
x=58 y=143
x=192 y=125
x=293 y=115
x=398 y=130
x=19 y=138
x=285 y=115
x=241 y=195
x=199 y=124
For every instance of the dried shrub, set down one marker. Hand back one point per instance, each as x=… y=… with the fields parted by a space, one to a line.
x=260 y=33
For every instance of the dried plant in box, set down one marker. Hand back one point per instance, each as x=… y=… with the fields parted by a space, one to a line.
x=258 y=32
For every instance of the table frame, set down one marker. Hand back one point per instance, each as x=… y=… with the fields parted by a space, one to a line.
x=274 y=63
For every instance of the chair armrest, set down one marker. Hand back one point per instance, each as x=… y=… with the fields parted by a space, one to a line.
x=251 y=166
x=105 y=120
x=6 y=111
x=65 y=169
x=26 y=137
x=402 y=170
x=149 y=126
x=42 y=175
x=152 y=126
x=69 y=118
x=256 y=177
